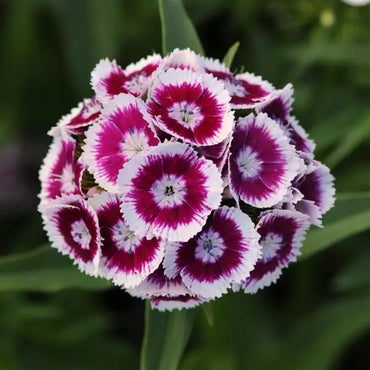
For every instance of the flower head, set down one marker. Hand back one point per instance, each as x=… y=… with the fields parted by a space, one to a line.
x=180 y=180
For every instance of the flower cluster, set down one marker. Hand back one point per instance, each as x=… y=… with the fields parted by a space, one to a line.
x=180 y=180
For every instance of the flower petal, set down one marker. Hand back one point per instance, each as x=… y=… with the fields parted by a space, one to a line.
x=164 y=303
x=262 y=163
x=126 y=258
x=76 y=122
x=124 y=130
x=223 y=253
x=60 y=173
x=191 y=106
x=282 y=233
x=169 y=192
x=73 y=229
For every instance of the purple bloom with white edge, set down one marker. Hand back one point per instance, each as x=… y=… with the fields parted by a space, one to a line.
x=169 y=303
x=169 y=192
x=191 y=106
x=61 y=173
x=262 y=163
x=125 y=258
x=278 y=107
x=109 y=79
x=73 y=229
x=76 y=122
x=223 y=253
x=180 y=180
x=125 y=130
x=282 y=234
x=246 y=89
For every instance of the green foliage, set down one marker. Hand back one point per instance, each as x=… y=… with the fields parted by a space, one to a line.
x=177 y=29
x=43 y=270
x=165 y=338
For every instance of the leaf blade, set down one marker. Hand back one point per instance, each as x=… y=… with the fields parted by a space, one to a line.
x=229 y=57
x=177 y=28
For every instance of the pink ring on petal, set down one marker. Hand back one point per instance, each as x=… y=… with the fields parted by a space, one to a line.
x=169 y=303
x=158 y=284
x=246 y=89
x=262 y=163
x=282 y=234
x=125 y=258
x=60 y=173
x=169 y=192
x=73 y=229
x=317 y=185
x=108 y=79
x=223 y=253
x=278 y=107
x=124 y=130
x=76 y=122
x=191 y=106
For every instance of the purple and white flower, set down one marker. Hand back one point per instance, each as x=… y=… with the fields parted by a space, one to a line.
x=73 y=229
x=61 y=172
x=191 y=106
x=282 y=234
x=109 y=79
x=125 y=258
x=262 y=163
x=169 y=192
x=77 y=121
x=138 y=182
x=223 y=253
x=125 y=130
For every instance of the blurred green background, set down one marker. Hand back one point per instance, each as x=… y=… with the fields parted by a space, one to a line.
x=318 y=316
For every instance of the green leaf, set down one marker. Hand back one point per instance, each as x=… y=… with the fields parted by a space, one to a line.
x=229 y=57
x=318 y=341
x=44 y=270
x=350 y=216
x=208 y=313
x=177 y=28
x=355 y=275
x=166 y=335
x=350 y=142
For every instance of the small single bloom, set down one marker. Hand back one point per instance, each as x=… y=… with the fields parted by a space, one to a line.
x=125 y=258
x=278 y=107
x=282 y=234
x=191 y=106
x=76 y=122
x=262 y=163
x=125 y=130
x=169 y=303
x=109 y=79
x=246 y=89
x=223 y=253
x=317 y=186
x=169 y=192
x=73 y=229
x=158 y=284
x=61 y=172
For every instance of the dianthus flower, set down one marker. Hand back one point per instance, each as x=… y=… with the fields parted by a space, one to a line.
x=180 y=180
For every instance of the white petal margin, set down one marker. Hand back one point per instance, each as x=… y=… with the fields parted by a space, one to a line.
x=205 y=284
x=253 y=283
x=102 y=71
x=49 y=212
x=178 y=77
x=176 y=302
x=90 y=156
x=292 y=162
x=115 y=268
x=133 y=169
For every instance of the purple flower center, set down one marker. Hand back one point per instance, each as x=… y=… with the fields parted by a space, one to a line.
x=210 y=247
x=248 y=163
x=80 y=234
x=169 y=191
x=124 y=238
x=185 y=113
x=235 y=87
x=271 y=244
